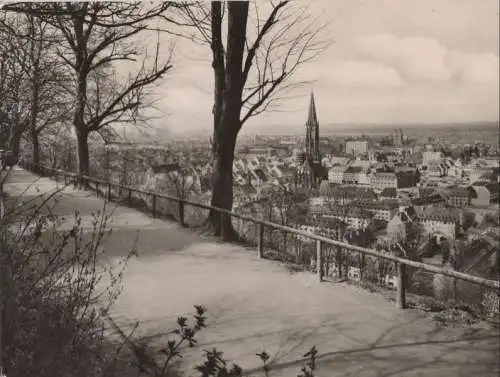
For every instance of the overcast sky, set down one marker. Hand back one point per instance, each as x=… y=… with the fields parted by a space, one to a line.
x=393 y=61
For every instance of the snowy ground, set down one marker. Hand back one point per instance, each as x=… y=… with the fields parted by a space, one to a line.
x=256 y=304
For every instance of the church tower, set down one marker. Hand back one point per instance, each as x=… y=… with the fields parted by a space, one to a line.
x=312 y=133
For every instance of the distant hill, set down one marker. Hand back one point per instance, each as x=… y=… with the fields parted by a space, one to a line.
x=339 y=129
x=375 y=128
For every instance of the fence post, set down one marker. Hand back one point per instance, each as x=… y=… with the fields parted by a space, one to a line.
x=401 y=294
x=260 y=241
x=109 y=192
x=97 y=188
x=180 y=205
x=319 y=260
x=154 y=206
x=129 y=197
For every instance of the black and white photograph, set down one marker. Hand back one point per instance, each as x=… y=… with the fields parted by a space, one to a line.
x=261 y=188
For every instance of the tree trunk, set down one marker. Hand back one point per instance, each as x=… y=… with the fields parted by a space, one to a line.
x=227 y=110
x=15 y=142
x=80 y=126
x=83 y=154
x=222 y=185
x=35 y=98
x=218 y=64
x=36 y=150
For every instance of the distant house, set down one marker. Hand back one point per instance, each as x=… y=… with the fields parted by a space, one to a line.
x=357 y=218
x=351 y=175
x=382 y=210
x=492 y=176
x=474 y=171
x=345 y=194
x=323 y=226
x=428 y=201
x=389 y=193
x=490 y=224
x=458 y=197
x=407 y=178
x=440 y=221
x=426 y=191
x=286 y=172
x=336 y=174
x=257 y=177
x=382 y=180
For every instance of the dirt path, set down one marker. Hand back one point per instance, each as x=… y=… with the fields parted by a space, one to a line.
x=256 y=304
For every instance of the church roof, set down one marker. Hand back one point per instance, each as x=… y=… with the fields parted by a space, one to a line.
x=319 y=170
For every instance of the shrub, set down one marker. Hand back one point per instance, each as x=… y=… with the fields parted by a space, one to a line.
x=52 y=293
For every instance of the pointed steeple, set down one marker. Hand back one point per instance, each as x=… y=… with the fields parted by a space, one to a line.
x=312 y=132
x=312 y=118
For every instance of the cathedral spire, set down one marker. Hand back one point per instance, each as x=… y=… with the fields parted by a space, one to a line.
x=312 y=133
x=312 y=118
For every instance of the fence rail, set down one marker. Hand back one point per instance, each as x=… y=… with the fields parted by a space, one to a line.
x=402 y=264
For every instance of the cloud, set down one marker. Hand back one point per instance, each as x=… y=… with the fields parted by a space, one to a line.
x=364 y=74
x=418 y=59
x=475 y=68
x=415 y=58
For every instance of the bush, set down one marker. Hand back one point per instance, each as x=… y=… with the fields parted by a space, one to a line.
x=53 y=294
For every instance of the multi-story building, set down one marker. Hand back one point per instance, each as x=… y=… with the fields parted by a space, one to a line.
x=430 y=156
x=356 y=218
x=326 y=227
x=356 y=147
x=382 y=210
x=336 y=174
x=345 y=194
x=382 y=180
x=458 y=197
x=351 y=175
x=442 y=223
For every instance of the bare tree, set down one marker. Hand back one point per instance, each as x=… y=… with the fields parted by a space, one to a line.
x=252 y=70
x=182 y=182
x=95 y=38
x=41 y=76
x=284 y=206
x=13 y=107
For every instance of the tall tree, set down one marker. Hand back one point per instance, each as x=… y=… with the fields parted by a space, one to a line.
x=42 y=77
x=13 y=105
x=96 y=38
x=252 y=70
